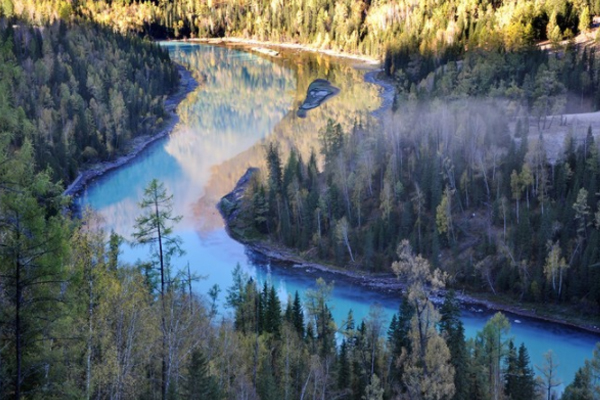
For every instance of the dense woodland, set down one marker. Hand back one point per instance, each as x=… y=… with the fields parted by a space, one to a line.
x=472 y=192
x=79 y=92
x=476 y=195
x=400 y=30
x=462 y=169
x=77 y=323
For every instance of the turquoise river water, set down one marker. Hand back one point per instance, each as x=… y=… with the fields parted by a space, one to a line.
x=242 y=101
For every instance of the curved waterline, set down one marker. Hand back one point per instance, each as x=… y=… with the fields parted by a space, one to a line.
x=244 y=101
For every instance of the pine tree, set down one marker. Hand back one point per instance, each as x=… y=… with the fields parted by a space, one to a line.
x=453 y=331
x=398 y=339
x=34 y=234
x=154 y=226
x=344 y=377
x=526 y=377
x=199 y=384
x=273 y=314
x=511 y=374
x=581 y=387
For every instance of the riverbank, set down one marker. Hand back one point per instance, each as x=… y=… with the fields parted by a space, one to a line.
x=381 y=282
x=387 y=93
x=187 y=84
x=290 y=46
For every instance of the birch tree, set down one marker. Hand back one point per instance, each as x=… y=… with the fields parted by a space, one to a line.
x=555 y=266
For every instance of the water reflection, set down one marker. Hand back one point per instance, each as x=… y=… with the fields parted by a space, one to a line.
x=243 y=102
x=240 y=100
x=355 y=102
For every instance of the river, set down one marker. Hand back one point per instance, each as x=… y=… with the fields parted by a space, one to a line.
x=243 y=101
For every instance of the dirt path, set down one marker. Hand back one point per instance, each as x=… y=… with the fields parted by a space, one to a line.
x=387 y=93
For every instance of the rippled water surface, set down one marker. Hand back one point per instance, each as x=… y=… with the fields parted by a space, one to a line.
x=242 y=102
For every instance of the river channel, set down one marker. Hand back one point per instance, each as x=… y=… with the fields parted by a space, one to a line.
x=243 y=101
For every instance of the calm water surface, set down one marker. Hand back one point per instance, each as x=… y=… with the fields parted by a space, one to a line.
x=243 y=102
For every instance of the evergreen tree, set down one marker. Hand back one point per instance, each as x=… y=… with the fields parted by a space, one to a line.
x=344 y=377
x=298 y=315
x=33 y=248
x=155 y=227
x=273 y=313
x=526 y=383
x=453 y=331
x=511 y=375
x=199 y=384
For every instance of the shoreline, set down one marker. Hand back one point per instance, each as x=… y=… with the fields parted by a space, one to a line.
x=387 y=93
x=187 y=84
x=290 y=46
x=388 y=284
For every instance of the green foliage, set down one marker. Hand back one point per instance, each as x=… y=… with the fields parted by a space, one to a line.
x=32 y=256
x=451 y=327
x=80 y=92
x=155 y=227
x=199 y=383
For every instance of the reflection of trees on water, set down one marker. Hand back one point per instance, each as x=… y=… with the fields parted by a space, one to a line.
x=224 y=126
x=354 y=102
x=241 y=99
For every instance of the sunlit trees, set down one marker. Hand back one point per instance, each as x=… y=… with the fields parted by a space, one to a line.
x=428 y=374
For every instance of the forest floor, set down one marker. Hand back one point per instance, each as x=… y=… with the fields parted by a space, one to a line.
x=135 y=146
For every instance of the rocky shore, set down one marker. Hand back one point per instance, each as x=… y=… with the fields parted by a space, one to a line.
x=384 y=283
x=187 y=84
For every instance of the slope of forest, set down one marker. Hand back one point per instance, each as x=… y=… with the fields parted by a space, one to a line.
x=401 y=30
x=460 y=169
x=80 y=91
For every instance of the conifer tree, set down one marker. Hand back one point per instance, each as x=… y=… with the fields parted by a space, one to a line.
x=155 y=226
x=199 y=384
x=453 y=331
x=32 y=251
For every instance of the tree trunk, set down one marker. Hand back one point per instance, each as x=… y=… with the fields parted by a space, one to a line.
x=163 y=322
x=18 y=350
x=88 y=370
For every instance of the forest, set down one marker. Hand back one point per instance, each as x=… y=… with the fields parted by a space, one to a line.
x=480 y=195
x=397 y=29
x=457 y=188
x=76 y=322
x=79 y=92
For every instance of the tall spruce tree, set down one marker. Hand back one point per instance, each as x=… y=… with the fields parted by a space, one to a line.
x=33 y=245
x=155 y=226
x=199 y=384
x=453 y=331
